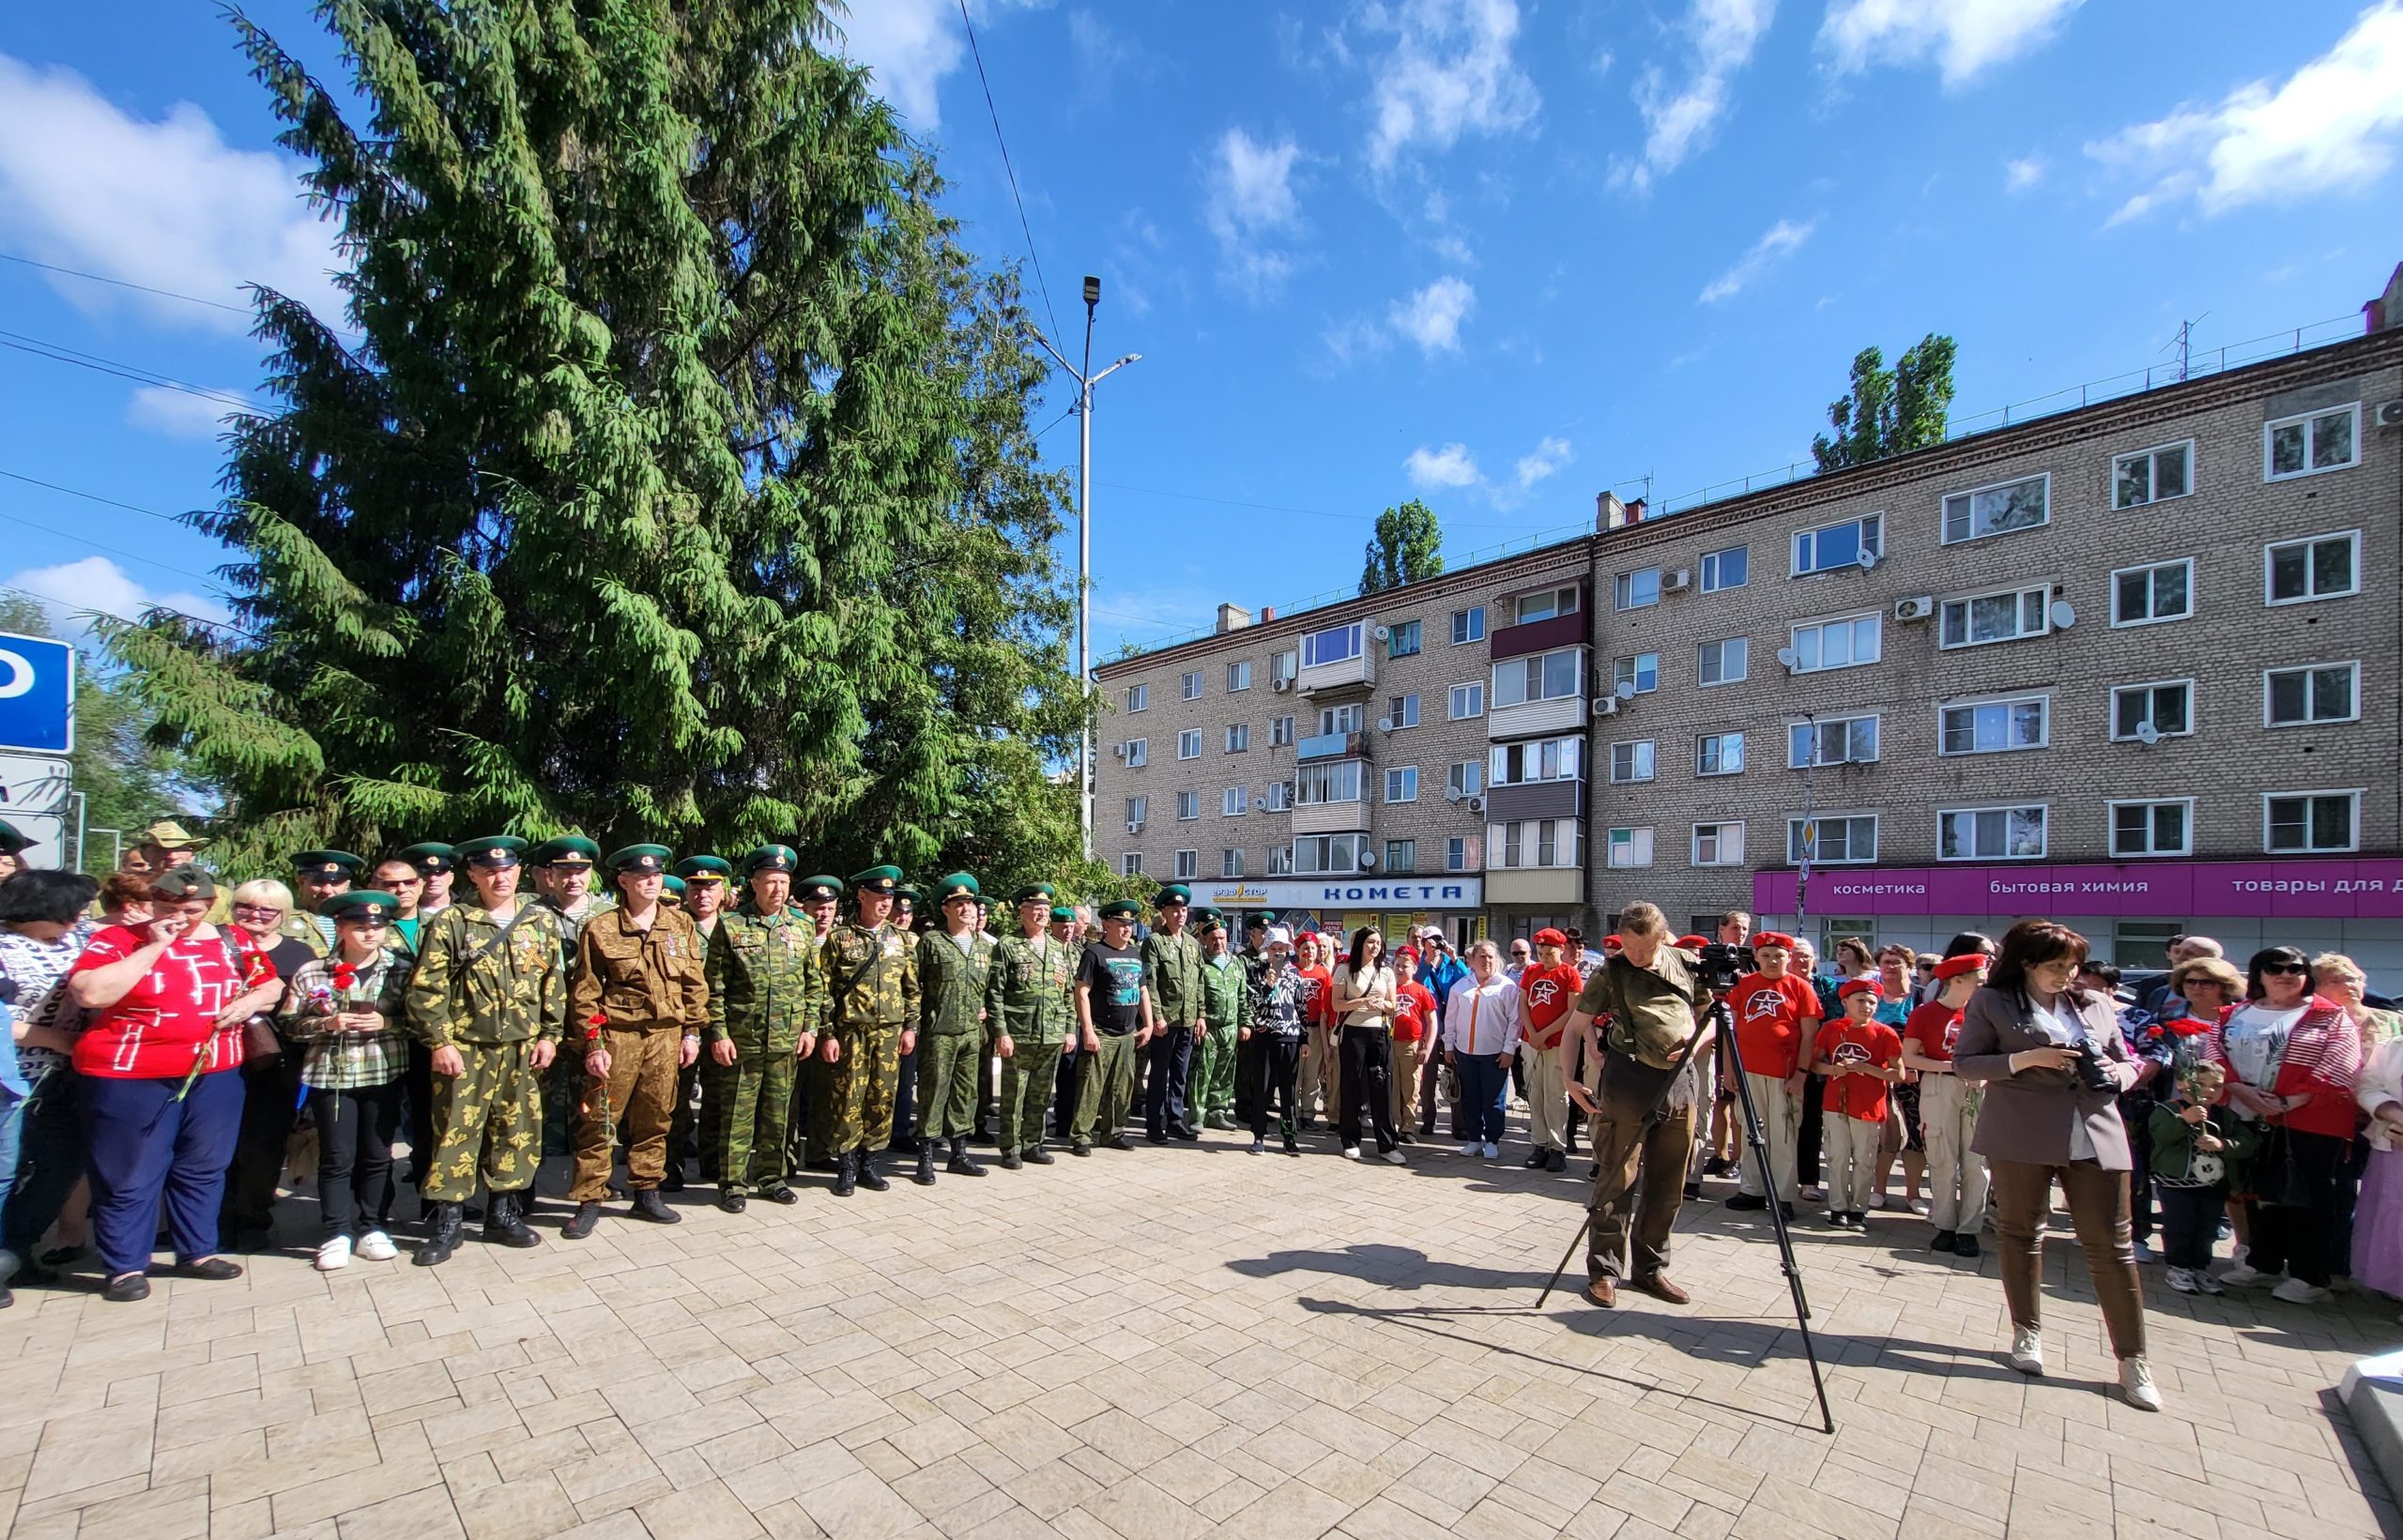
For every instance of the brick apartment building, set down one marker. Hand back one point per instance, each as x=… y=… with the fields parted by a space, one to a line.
x=2126 y=666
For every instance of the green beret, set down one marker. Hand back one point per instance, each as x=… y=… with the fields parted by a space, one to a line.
x=11 y=840
x=1061 y=912
x=1175 y=892
x=491 y=850
x=878 y=879
x=909 y=895
x=770 y=858
x=1206 y=919
x=640 y=860
x=1121 y=909
x=328 y=865
x=673 y=884
x=815 y=888
x=958 y=885
x=429 y=856
x=184 y=884
x=705 y=868
x=351 y=906
x=567 y=851
x=1035 y=892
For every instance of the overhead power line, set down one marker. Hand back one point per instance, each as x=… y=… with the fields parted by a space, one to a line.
x=91 y=496
x=1011 y=170
x=61 y=353
x=121 y=284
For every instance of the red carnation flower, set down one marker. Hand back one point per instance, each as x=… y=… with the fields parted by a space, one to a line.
x=2189 y=1026
x=344 y=976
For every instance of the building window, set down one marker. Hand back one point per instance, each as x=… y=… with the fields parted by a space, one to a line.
x=2301 y=697
x=1280 y=797
x=1631 y=762
x=1468 y=625
x=2307 y=445
x=1728 y=569
x=2165 y=706
x=1636 y=589
x=1402 y=711
x=1280 y=732
x=1401 y=857
x=1835 y=545
x=1234 y=803
x=1280 y=861
x=1832 y=740
x=1193 y=685
x=1340 y=719
x=2310 y=822
x=1188 y=743
x=1466 y=778
x=1629 y=847
x=1188 y=804
x=1846 y=839
x=1979 y=619
x=1998 y=509
x=1188 y=865
x=1996 y=726
x=1456 y=854
x=2153 y=476
x=1547 y=675
x=1138 y=809
x=1138 y=698
x=1725 y=663
x=1323 y=783
x=1541 y=759
x=1239 y=677
x=1550 y=603
x=1547 y=842
x=1718 y=845
x=1990 y=834
x=1323 y=855
x=2322 y=566
x=1402 y=639
x=1335 y=644
x=1238 y=737
x=2145 y=596
x=1467 y=700
x=1281 y=665
x=1231 y=863
x=1401 y=783
x=1131 y=864
x=1847 y=643
x=1718 y=754
x=1641 y=672
x=2154 y=829
x=1138 y=752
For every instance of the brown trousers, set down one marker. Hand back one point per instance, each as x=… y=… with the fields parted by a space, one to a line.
x=1644 y=1174
x=638 y=1103
x=2098 y=1209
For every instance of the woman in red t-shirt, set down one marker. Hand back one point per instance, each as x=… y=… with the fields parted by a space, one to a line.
x=166 y=1005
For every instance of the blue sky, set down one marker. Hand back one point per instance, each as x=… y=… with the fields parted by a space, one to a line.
x=1497 y=255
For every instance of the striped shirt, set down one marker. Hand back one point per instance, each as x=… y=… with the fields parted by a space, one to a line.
x=341 y=1061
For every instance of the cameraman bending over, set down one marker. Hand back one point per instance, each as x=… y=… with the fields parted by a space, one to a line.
x=1643 y=1125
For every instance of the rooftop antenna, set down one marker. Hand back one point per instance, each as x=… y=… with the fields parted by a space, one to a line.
x=2184 y=342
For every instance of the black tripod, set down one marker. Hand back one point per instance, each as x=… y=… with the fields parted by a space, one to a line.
x=1719 y=1018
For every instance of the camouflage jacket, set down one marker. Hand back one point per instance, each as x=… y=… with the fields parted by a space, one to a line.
x=951 y=984
x=871 y=977
x=1172 y=963
x=1226 y=993
x=467 y=989
x=764 y=977
x=637 y=977
x=1031 y=991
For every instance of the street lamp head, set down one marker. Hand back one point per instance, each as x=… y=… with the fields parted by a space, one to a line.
x=1131 y=357
x=1092 y=290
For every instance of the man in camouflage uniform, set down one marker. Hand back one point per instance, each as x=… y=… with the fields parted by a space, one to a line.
x=872 y=981
x=705 y=878
x=1029 y=1004
x=562 y=870
x=819 y=900
x=1226 y=999
x=767 y=999
x=641 y=1000
x=904 y=1087
x=1172 y=977
x=953 y=965
x=489 y=1000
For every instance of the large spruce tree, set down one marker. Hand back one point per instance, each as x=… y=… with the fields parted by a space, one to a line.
x=669 y=477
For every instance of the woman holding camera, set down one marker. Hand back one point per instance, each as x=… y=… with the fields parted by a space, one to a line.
x=2292 y=1058
x=2053 y=1065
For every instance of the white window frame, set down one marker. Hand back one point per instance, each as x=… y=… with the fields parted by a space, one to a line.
x=1352 y=641
x=2353 y=713
x=1280 y=732
x=1189 y=685
x=1188 y=743
x=1794 y=831
x=1231 y=861
x=2152 y=474
x=1139 y=809
x=1635 y=672
x=1405 y=711
x=2187 y=731
x=1565 y=748
x=2018 y=594
x=2352 y=794
x=1280 y=861
x=1402 y=868
x=1280 y=797
x=1239 y=676
x=1722 y=740
x=1719 y=828
x=1943 y=711
x=1188 y=865
x=1626 y=589
x=1710 y=569
x=1572 y=593
x=1818 y=727
x=1870 y=535
x=1394 y=632
x=1944 y=509
x=1330 y=774
x=1535 y=668
x=1644 y=761
x=1238 y=738
x=1138 y=752
x=1794 y=639
x=1456 y=854
x=1330 y=841
x=2270 y=560
x=1190 y=797
x=1408 y=775
x=1639 y=846
x=1468 y=626
x=1475 y=699
x=1285 y=664
x=1130 y=863
x=1743 y=646
x=1465 y=776
x=2310 y=421
x=2006 y=808
x=1139 y=698
x=2120 y=622
x=2111 y=827
x=1234 y=802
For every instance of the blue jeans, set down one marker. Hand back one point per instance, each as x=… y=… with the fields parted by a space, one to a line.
x=46 y=1160
x=1484 y=1082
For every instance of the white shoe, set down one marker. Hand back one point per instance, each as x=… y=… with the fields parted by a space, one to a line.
x=2180 y=1281
x=1351 y=1152
x=2207 y=1284
x=1492 y=1152
x=1473 y=1148
x=2136 y=1383
x=376 y=1246
x=1394 y=1157
x=2295 y=1291
x=2028 y=1350
x=2243 y=1276
x=334 y=1255
x=2144 y=1254
x=1918 y=1206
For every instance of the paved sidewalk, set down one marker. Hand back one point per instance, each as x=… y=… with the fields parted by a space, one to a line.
x=1169 y=1344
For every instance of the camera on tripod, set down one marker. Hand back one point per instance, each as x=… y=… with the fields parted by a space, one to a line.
x=1721 y=964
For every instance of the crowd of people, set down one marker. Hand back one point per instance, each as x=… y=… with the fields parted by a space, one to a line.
x=171 y=1046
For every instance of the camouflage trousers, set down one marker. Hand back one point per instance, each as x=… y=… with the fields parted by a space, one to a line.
x=747 y=1110
x=1108 y=1091
x=489 y=1116
x=859 y=1090
x=637 y=1103
x=951 y=1069
x=1212 y=1090
x=1029 y=1077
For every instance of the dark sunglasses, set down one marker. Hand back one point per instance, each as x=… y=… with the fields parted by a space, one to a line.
x=2285 y=968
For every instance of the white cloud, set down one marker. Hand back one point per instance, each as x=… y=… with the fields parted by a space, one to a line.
x=1679 y=123
x=1451 y=466
x=1250 y=200
x=165 y=202
x=179 y=414
x=1779 y=242
x=2330 y=126
x=2020 y=174
x=1431 y=317
x=1349 y=342
x=1964 y=36
x=1547 y=457
x=1447 y=73
x=96 y=584
x=910 y=46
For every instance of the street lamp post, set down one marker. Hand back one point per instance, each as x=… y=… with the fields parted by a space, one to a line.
x=1086 y=379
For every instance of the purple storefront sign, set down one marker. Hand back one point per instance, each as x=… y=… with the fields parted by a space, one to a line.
x=2340 y=889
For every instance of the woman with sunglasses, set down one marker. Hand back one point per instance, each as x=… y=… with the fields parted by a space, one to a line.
x=2292 y=1058
x=345 y=1011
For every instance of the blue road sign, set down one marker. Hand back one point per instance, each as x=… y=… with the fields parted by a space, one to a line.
x=36 y=694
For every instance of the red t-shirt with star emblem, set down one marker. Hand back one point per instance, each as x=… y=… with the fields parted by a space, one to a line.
x=1858 y=1096
x=1772 y=1022
x=1551 y=994
x=1934 y=1026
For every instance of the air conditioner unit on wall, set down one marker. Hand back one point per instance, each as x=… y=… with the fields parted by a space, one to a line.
x=1476 y=805
x=2389 y=414
x=1606 y=706
x=1134 y=826
x=1280 y=686
x=1118 y=750
x=1678 y=580
x=1914 y=609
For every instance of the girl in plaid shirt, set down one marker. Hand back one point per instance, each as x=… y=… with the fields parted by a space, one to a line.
x=345 y=1010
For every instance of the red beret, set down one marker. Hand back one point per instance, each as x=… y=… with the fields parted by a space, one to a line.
x=1551 y=937
x=1857 y=987
x=1773 y=938
x=1611 y=943
x=1692 y=943
x=1953 y=967
x=1409 y=952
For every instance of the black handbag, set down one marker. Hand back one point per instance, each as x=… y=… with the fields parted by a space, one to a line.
x=2280 y=1181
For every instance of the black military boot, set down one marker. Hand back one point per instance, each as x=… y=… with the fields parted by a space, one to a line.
x=1037 y=1155
x=650 y=1205
x=924 y=1175
x=505 y=1222
x=845 y=1173
x=960 y=1164
x=442 y=1222
x=731 y=1199
x=870 y=1178
x=580 y=1223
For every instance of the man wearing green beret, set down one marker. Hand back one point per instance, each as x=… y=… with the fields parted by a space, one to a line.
x=1226 y=1010
x=905 y=1086
x=489 y=999
x=321 y=875
x=954 y=964
x=1172 y=977
x=703 y=880
x=872 y=981
x=641 y=1000
x=437 y=862
x=819 y=900
x=767 y=1001
x=562 y=870
x=1114 y=1016
x=1026 y=1004
x=1071 y=926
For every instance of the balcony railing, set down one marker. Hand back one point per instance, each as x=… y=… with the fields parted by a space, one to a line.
x=1358 y=673
x=1332 y=746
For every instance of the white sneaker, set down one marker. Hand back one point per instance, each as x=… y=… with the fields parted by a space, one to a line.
x=2180 y=1281
x=1351 y=1152
x=2296 y=1292
x=376 y=1246
x=1492 y=1152
x=2136 y=1383
x=1473 y=1148
x=2028 y=1350
x=334 y=1255
x=2207 y=1284
x=1394 y=1157
x=1918 y=1206
x=2243 y=1276
x=2145 y=1253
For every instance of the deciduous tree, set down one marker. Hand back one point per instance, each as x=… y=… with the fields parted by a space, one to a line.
x=1889 y=411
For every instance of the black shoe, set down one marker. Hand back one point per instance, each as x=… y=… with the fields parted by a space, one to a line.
x=961 y=1165
x=34 y=1273
x=870 y=1178
x=212 y=1269
x=1860 y=1220
x=1120 y=1141
x=1081 y=1148
x=1404 y=1136
x=1839 y=1220
x=1178 y=1131
x=1594 y=1172
x=1747 y=1202
x=650 y=1205
x=673 y=1181
x=1965 y=1245
x=1693 y=1190
x=924 y=1175
x=1785 y=1211
x=1715 y=1166
x=1155 y=1139
x=846 y=1174
x=1944 y=1241
x=1011 y=1162
x=732 y=1202
x=126 y=1289
x=1037 y=1155
x=1292 y=1149
x=57 y=1257
x=580 y=1223
x=1555 y=1160
x=780 y=1192
x=442 y=1223
x=505 y=1222
x=1535 y=1161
